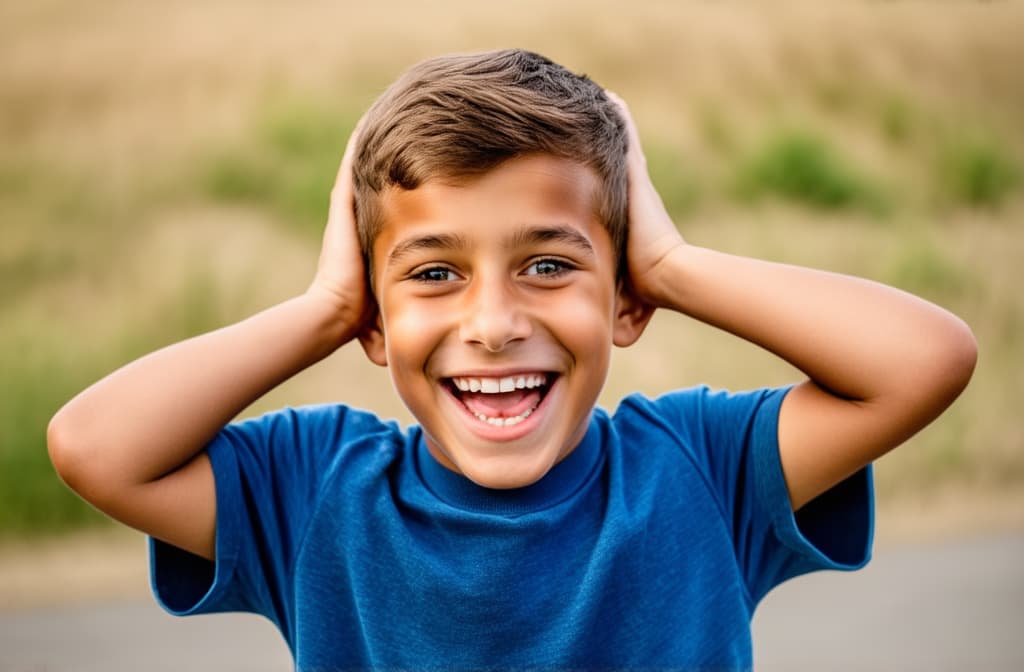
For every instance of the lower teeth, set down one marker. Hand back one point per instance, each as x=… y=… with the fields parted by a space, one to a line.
x=505 y=422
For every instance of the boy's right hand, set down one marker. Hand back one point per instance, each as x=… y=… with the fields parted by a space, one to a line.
x=652 y=233
x=341 y=274
x=132 y=444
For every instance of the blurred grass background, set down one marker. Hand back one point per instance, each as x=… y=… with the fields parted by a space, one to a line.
x=165 y=169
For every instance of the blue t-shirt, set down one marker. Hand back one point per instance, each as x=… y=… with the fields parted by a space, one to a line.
x=649 y=546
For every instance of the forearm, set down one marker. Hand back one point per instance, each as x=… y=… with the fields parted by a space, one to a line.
x=881 y=363
x=153 y=415
x=857 y=339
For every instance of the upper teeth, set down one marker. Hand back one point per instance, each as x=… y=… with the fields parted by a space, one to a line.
x=496 y=385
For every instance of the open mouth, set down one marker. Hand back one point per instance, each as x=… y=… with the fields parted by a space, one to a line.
x=501 y=401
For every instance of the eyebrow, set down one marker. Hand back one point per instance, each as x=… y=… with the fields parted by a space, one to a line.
x=523 y=237
x=558 y=233
x=434 y=241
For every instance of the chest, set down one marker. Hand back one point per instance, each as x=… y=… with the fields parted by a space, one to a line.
x=604 y=580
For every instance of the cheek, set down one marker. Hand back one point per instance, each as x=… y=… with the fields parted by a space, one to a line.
x=583 y=321
x=411 y=330
x=590 y=304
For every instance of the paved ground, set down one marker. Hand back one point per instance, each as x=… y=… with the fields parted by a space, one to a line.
x=954 y=606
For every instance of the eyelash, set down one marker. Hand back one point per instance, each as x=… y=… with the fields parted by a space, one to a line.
x=422 y=276
x=561 y=268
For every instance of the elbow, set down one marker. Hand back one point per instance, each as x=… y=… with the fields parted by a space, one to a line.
x=954 y=358
x=71 y=456
x=964 y=355
x=61 y=446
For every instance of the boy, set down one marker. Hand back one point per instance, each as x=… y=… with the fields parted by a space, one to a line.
x=477 y=246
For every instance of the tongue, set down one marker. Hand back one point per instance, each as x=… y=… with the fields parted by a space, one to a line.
x=503 y=405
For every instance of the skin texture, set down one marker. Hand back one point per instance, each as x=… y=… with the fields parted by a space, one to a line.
x=881 y=363
x=465 y=286
x=507 y=274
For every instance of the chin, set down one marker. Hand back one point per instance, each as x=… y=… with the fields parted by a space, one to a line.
x=505 y=476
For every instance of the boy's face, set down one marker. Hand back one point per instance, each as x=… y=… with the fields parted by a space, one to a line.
x=498 y=306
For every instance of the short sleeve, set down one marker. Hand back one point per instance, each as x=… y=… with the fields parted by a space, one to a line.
x=268 y=473
x=733 y=438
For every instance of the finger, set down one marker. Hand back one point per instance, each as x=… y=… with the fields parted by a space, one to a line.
x=350 y=150
x=635 y=152
x=341 y=193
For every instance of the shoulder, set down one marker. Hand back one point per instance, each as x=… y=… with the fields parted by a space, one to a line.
x=698 y=408
x=716 y=430
x=309 y=435
x=330 y=423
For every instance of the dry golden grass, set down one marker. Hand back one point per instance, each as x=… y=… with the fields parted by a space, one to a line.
x=120 y=78
x=104 y=106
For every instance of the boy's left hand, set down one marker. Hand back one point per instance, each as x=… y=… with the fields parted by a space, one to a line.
x=341 y=276
x=881 y=364
x=652 y=233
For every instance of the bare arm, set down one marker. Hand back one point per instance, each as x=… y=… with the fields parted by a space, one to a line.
x=881 y=363
x=131 y=444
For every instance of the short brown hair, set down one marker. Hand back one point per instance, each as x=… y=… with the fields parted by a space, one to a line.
x=462 y=115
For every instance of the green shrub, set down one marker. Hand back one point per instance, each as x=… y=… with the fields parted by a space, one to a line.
x=715 y=129
x=977 y=172
x=895 y=119
x=922 y=268
x=42 y=368
x=32 y=497
x=289 y=165
x=232 y=177
x=676 y=184
x=803 y=168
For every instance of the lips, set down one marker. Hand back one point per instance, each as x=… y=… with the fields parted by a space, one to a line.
x=501 y=401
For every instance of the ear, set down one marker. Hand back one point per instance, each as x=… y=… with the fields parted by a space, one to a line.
x=371 y=337
x=631 y=316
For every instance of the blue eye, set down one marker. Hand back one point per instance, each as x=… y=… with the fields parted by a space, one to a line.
x=548 y=268
x=434 y=274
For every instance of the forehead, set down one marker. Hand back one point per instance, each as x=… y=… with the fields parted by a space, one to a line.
x=522 y=192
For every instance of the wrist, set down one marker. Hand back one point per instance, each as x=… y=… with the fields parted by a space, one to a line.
x=336 y=319
x=664 y=285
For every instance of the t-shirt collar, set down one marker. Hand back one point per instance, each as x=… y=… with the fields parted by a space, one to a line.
x=564 y=479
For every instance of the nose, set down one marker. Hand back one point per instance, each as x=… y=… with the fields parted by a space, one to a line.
x=493 y=316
